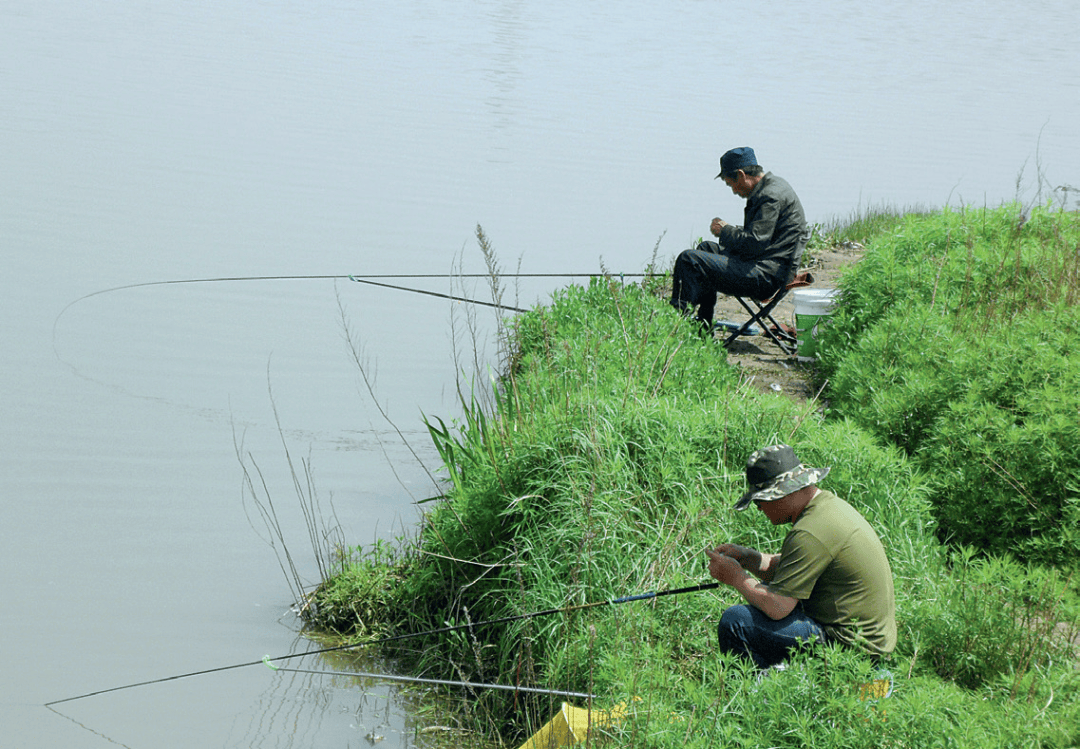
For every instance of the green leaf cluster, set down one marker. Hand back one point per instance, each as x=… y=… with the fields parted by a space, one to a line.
x=608 y=463
x=353 y=602
x=1003 y=629
x=957 y=339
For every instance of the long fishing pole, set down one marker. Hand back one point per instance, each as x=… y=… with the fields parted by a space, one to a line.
x=496 y=305
x=437 y=294
x=359 y=278
x=438 y=682
x=394 y=638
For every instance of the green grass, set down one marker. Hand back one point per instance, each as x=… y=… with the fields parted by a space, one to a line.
x=609 y=459
x=958 y=340
x=861 y=225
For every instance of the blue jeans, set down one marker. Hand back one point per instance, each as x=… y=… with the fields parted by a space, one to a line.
x=747 y=631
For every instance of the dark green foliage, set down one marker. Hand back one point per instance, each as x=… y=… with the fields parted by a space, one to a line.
x=610 y=461
x=353 y=602
x=958 y=339
x=1001 y=629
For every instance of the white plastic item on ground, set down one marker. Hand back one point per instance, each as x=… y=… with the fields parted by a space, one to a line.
x=812 y=310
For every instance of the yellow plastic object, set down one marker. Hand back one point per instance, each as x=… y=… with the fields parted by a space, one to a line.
x=878 y=689
x=873 y=692
x=570 y=725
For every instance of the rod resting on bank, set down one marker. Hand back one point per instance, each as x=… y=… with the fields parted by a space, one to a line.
x=267 y=660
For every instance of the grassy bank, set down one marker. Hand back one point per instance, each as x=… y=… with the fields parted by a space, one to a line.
x=607 y=464
x=959 y=341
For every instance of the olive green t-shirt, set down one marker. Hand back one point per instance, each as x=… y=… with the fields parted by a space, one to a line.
x=833 y=561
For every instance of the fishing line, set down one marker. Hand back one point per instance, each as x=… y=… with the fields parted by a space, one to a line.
x=394 y=638
x=359 y=278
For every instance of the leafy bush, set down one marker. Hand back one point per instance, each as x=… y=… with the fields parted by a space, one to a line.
x=989 y=623
x=352 y=602
x=615 y=449
x=957 y=340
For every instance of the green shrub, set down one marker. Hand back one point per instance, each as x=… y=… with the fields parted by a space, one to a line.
x=991 y=624
x=958 y=340
x=1007 y=452
x=353 y=602
x=609 y=462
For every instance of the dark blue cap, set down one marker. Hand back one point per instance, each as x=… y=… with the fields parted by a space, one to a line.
x=736 y=159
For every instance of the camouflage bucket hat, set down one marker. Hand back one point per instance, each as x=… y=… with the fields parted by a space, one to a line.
x=774 y=472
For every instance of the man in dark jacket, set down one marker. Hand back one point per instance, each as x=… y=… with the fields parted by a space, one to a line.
x=755 y=260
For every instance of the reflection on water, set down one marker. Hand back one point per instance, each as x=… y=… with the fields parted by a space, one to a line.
x=313 y=702
x=302 y=710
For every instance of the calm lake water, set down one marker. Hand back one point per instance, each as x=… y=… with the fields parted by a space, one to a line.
x=147 y=142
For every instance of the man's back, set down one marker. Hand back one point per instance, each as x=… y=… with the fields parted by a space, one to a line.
x=833 y=560
x=774 y=224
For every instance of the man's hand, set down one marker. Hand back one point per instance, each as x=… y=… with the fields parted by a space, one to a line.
x=716 y=226
x=724 y=568
x=727 y=570
x=749 y=559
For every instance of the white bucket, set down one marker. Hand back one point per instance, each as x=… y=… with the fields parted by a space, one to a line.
x=812 y=310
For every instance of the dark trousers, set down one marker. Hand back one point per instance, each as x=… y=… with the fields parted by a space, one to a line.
x=700 y=274
x=745 y=630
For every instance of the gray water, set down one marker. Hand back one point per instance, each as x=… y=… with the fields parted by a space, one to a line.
x=143 y=142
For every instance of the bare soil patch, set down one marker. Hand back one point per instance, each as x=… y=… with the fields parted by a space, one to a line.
x=762 y=362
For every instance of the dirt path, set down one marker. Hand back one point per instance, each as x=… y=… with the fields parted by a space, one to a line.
x=763 y=363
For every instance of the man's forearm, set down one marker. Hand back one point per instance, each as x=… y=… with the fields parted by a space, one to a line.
x=763 y=566
x=758 y=595
x=725 y=567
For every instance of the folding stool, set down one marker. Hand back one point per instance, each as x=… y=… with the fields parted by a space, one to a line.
x=782 y=335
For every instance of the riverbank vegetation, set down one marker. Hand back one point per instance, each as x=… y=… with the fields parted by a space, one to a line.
x=959 y=341
x=615 y=444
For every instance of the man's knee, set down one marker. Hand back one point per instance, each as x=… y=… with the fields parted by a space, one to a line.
x=733 y=623
x=685 y=259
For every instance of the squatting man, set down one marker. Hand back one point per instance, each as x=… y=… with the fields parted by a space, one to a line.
x=831 y=581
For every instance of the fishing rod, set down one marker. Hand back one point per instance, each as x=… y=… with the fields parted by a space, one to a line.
x=359 y=278
x=438 y=682
x=366 y=278
x=266 y=660
x=496 y=305
x=437 y=294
